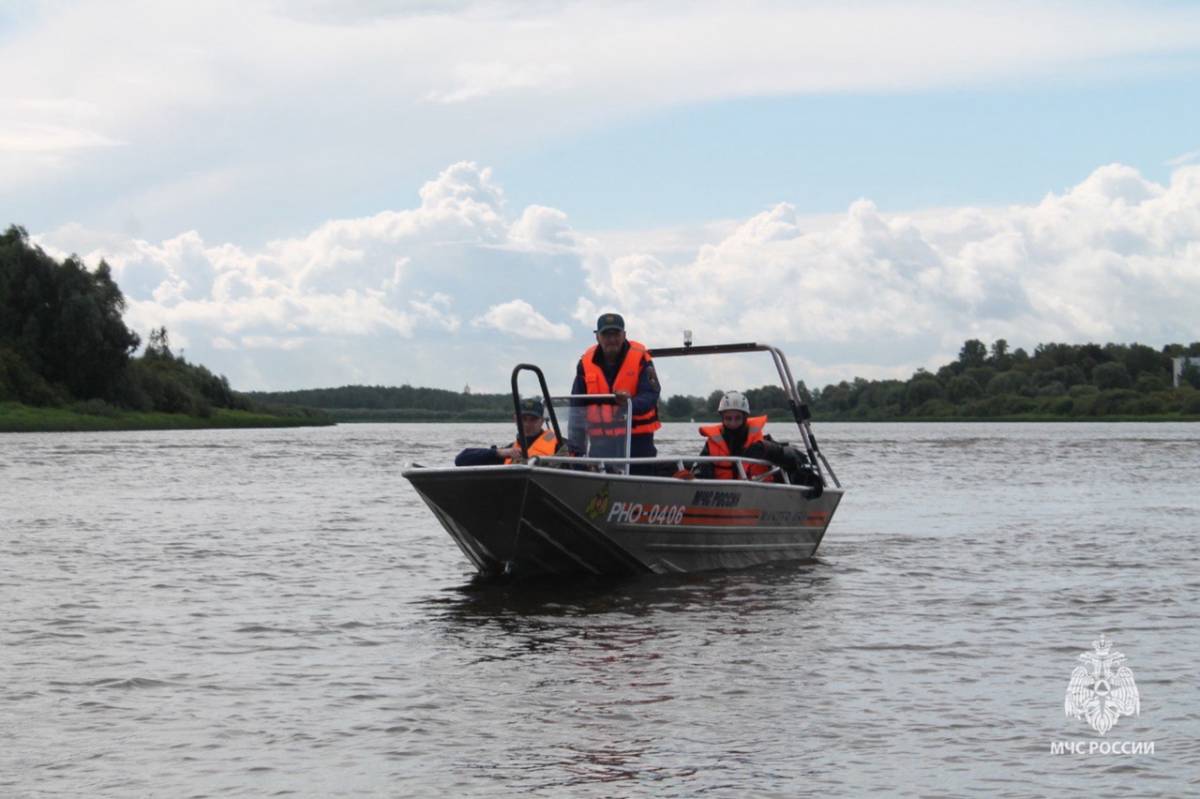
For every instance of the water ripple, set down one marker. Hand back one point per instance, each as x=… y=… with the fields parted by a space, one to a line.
x=225 y=613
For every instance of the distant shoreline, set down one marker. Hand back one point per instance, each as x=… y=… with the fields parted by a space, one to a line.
x=18 y=418
x=776 y=415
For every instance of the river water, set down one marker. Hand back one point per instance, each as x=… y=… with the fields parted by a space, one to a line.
x=275 y=612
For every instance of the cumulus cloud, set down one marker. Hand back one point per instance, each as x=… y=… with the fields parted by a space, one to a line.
x=1113 y=258
x=518 y=318
x=382 y=297
x=407 y=275
x=542 y=228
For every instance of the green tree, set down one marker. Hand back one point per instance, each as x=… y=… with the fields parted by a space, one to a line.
x=973 y=353
x=63 y=320
x=999 y=357
x=1007 y=383
x=1111 y=375
x=920 y=390
x=960 y=389
x=835 y=398
x=679 y=406
x=1140 y=359
x=765 y=397
x=159 y=345
x=1190 y=375
x=805 y=395
x=981 y=375
x=1148 y=383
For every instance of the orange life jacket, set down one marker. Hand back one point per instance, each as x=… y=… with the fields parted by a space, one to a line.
x=717 y=446
x=545 y=444
x=602 y=419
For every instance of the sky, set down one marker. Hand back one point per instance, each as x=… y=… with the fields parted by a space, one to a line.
x=311 y=193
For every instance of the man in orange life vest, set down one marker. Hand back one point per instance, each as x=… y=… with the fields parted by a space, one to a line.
x=537 y=440
x=615 y=365
x=738 y=435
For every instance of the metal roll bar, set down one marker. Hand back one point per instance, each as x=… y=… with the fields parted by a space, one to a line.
x=800 y=411
x=548 y=404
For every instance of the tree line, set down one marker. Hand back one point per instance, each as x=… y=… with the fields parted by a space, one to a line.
x=1056 y=381
x=64 y=343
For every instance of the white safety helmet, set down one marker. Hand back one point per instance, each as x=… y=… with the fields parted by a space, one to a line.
x=734 y=401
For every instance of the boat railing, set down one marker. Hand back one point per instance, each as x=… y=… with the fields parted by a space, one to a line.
x=800 y=410
x=681 y=464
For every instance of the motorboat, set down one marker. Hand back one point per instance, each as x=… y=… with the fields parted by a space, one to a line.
x=604 y=513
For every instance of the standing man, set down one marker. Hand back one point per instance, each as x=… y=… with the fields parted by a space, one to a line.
x=615 y=365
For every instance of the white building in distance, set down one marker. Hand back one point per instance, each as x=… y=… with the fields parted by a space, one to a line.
x=1180 y=365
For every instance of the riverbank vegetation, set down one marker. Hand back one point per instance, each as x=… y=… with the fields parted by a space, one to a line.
x=1056 y=382
x=67 y=359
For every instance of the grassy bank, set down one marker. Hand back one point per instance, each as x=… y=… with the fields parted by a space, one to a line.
x=18 y=418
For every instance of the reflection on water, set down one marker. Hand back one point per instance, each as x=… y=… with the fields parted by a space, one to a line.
x=222 y=613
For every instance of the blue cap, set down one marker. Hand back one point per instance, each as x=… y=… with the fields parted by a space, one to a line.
x=610 y=321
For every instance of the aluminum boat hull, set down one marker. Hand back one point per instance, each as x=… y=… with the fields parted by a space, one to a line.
x=524 y=520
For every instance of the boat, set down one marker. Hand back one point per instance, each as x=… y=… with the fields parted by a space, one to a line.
x=609 y=514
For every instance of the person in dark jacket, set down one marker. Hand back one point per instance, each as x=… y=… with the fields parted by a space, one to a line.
x=537 y=440
x=615 y=365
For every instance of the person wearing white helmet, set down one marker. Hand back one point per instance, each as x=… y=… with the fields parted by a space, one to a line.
x=738 y=435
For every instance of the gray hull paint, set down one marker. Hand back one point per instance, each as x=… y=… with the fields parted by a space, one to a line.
x=528 y=520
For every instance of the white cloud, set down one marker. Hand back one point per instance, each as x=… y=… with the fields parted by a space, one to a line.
x=476 y=80
x=435 y=310
x=1184 y=158
x=381 y=298
x=518 y=318
x=50 y=139
x=542 y=228
x=296 y=95
x=1114 y=258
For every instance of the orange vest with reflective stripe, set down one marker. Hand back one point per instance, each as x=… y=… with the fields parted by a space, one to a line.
x=602 y=419
x=717 y=446
x=545 y=444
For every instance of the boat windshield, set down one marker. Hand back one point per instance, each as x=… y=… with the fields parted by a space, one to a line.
x=596 y=426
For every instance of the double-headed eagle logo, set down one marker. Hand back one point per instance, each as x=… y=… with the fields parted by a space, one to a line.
x=599 y=504
x=1102 y=688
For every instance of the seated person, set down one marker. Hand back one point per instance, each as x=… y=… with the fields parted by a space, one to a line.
x=538 y=441
x=739 y=435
